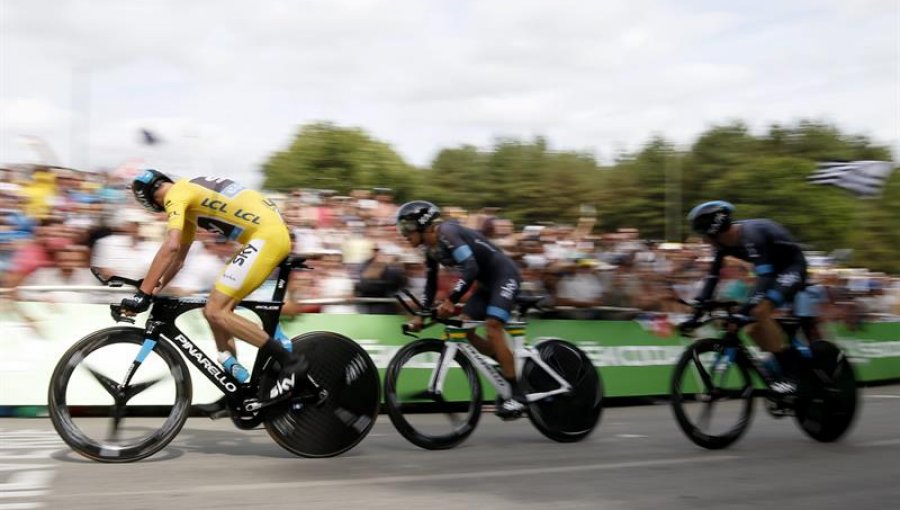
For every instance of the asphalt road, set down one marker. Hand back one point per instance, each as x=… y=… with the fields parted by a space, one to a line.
x=636 y=459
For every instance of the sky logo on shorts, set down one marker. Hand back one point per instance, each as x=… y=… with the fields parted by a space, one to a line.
x=508 y=290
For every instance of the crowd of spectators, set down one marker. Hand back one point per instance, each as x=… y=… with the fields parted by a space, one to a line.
x=55 y=223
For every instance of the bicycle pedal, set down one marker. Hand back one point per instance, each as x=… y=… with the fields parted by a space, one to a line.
x=508 y=416
x=777 y=410
x=218 y=415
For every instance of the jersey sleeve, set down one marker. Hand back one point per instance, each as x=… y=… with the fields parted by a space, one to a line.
x=176 y=211
x=464 y=258
x=765 y=272
x=431 y=283
x=712 y=277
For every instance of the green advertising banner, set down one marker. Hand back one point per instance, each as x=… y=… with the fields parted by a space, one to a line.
x=634 y=358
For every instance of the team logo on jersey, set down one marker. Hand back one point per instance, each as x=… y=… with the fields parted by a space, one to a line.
x=508 y=290
x=788 y=279
x=751 y=250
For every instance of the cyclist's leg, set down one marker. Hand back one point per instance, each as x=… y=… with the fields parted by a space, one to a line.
x=474 y=310
x=497 y=310
x=246 y=271
x=226 y=324
x=767 y=334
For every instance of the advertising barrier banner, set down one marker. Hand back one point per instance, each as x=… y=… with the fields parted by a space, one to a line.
x=635 y=358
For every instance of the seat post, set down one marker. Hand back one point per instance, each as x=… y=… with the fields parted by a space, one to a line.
x=284 y=272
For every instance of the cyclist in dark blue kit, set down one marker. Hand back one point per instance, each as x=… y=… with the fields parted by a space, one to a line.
x=452 y=245
x=779 y=264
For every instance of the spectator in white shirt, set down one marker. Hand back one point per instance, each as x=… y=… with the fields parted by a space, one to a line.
x=125 y=253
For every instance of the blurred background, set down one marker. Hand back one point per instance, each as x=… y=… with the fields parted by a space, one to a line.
x=576 y=135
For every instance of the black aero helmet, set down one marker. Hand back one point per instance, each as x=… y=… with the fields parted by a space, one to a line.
x=710 y=218
x=145 y=185
x=416 y=216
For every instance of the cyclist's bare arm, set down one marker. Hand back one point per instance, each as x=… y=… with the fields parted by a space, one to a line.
x=177 y=264
x=165 y=258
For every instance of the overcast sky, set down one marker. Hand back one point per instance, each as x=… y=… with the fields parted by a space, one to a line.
x=225 y=83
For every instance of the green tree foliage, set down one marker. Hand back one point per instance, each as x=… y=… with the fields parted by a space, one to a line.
x=325 y=156
x=652 y=189
x=877 y=243
x=527 y=180
x=776 y=188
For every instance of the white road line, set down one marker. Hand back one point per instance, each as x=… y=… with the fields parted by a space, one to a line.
x=343 y=482
x=882 y=396
x=886 y=442
x=19 y=506
x=21 y=494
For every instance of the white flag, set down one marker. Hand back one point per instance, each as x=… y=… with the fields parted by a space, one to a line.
x=863 y=178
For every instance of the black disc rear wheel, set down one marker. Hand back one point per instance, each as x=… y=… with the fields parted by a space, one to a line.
x=828 y=395
x=344 y=369
x=565 y=417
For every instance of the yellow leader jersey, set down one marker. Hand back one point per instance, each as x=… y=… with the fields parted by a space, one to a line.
x=219 y=205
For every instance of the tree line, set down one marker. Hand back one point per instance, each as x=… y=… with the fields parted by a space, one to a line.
x=652 y=189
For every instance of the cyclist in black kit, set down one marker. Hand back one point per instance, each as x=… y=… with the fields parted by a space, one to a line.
x=452 y=245
x=779 y=264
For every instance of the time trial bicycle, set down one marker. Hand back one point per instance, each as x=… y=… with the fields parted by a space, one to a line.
x=716 y=379
x=433 y=392
x=153 y=389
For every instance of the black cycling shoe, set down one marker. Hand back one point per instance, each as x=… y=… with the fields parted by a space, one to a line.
x=783 y=387
x=289 y=377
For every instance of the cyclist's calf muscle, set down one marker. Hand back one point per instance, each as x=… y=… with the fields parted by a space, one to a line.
x=219 y=312
x=765 y=331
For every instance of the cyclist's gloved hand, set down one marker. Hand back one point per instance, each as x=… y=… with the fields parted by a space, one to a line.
x=138 y=303
x=699 y=305
x=694 y=322
x=689 y=325
x=413 y=325
x=447 y=309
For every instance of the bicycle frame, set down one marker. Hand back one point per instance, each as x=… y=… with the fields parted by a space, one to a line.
x=160 y=325
x=735 y=346
x=456 y=341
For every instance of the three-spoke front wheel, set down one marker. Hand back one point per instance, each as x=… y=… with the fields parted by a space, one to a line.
x=438 y=419
x=104 y=420
x=712 y=393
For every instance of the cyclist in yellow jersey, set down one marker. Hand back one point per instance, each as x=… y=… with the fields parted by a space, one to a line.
x=238 y=213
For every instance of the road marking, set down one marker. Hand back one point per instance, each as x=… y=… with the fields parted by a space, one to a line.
x=26 y=480
x=886 y=442
x=344 y=482
x=631 y=436
x=883 y=396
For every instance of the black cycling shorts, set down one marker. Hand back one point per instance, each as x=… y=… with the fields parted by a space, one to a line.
x=787 y=283
x=495 y=298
